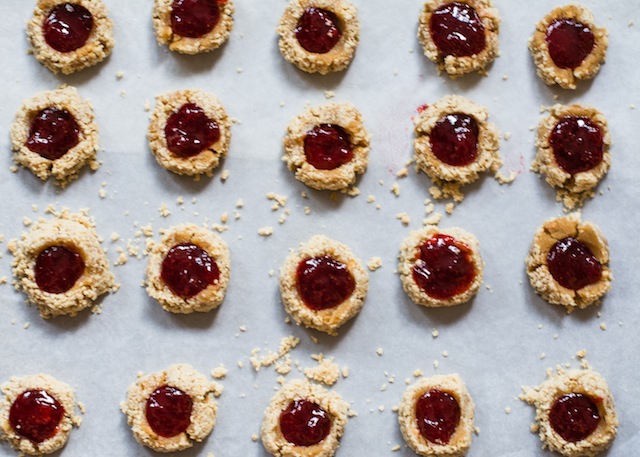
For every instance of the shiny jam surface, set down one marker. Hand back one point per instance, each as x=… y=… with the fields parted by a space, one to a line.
x=189 y=131
x=318 y=30
x=327 y=147
x=454 y=139
x=168 y=411
x=569 y=42
x=194 y=18
x=572 y=264
x=57 y=269
x=187 y=270
x=456 y=30
x=577 y=144
x=67 y=27
x=36 y=415
x=52 y=133
x=574 y=417
x=324 y=282
x=304 y=423
x=444 y=268
x=438 y=415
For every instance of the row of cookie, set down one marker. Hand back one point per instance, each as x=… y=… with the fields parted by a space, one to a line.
x=170 y=410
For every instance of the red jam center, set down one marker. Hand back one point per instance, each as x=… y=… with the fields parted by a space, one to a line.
x=57 y=269
x=456 y=30
x=573 y=265
x=304 y=423
x=577 y=144
x=454 y=139
x=318 y=30
x=187 y=270
x=53 y=132
x=67 y=27
x=444 y=268
x=324 y=282
x=168 y=411
x=574 y=417
x=189 y=131
x=438 y=415
x=327 y=147
x=194 y=18
x=36 y=415
x=569 y=42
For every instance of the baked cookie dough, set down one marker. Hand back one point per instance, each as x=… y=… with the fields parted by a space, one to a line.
x=188 y=271
x=189 y=132
x=575 y=413
x=37 y=414
x=440 y=267
x=323 y=284
x=70 y=35
x=319 y=36
x=170 y=409
x=459 y=36
x=568 y=263
x=60 y=265
x=573 y=151
x=567 y=46
x=55 y=134
x=327 y=146
x=304 y=420
x=436 y=416
x=455 y=143
x=192 y=27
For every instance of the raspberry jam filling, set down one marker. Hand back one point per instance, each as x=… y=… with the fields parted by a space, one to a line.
x=52 y=133
x=444 y=268
x=318 y=30
x=189 y=131
x=573 y=265
x=574 y=417
x=456 y=30
x=438 y=415
x=569 y=42
x=194 y=18
x=304 y=423
x=187 y=270
x=577 y=143
x=454 y=139
x=324 y=282
x=36 y=415
x=168 y=411
x=327 y=147
x=67 y=27
x=57 y=269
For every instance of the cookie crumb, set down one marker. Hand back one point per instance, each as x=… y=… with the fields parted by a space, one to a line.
x=119 y=75
x=220 y=372
x=402 y=173
x=395 y=448
x=374 y=263
x=404 y=218
x=395 y=189
x=502 y=179
x=371 y=199
x=380 y=351
x=326 y=372
x=164 y=210
x=507 y=410
x=224 y=175
x=254 y=438
x=435 y=333
x=329 y=94
x=449 y=208
x=26 y=325
x=417 y=373
x=265 y=231
x=603 y=326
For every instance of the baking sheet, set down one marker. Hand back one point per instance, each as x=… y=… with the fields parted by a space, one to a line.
x=495 y=343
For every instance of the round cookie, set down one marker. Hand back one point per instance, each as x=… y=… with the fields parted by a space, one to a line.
x=51 y=400
x=563 y=50
x=189 y=132
x=568 y=406
x=170 y=409
x=323 y=284
x=302 y=403
x=327 y=146
x=68 y=36
x=54 y=134
x=183 y=31
x=319 y=36
x=568 y=263
x=188 y=271
x=475 y=43
x=429 y=430
x=60 y=265
x=440 y=267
